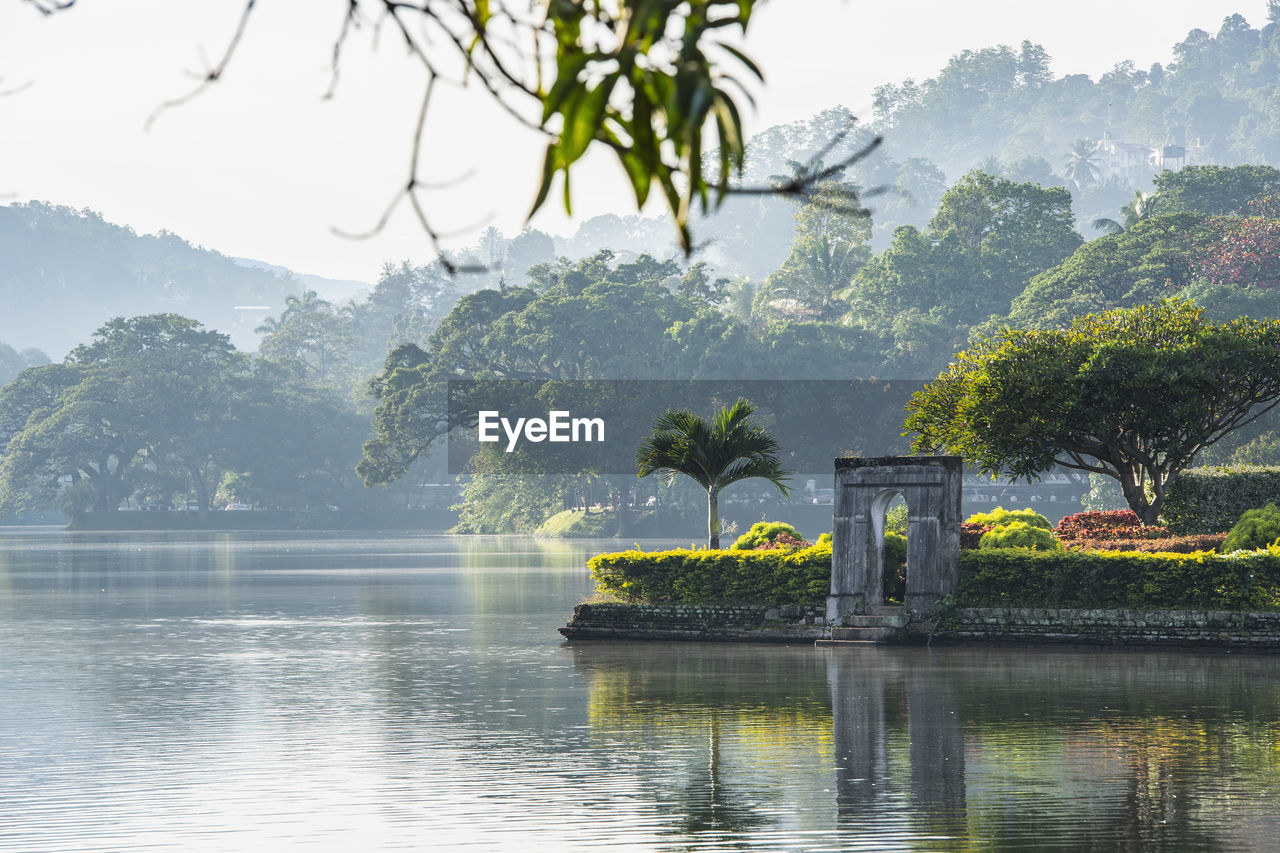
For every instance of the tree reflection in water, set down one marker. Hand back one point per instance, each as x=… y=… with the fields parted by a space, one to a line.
x=946 y=748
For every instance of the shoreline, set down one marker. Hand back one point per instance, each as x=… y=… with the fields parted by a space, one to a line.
x=792 y=624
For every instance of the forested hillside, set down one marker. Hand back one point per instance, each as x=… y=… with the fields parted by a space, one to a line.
x=65 y=272
x=1000 y=109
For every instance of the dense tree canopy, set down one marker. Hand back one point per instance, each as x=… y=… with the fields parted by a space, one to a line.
x=157 y=402
x=989 y=237
x=1134 y=394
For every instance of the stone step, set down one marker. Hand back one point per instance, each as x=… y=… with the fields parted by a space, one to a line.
x=865 y=634
x=875 y=620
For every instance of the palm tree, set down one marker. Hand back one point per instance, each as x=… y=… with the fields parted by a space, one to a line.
x=308 y=304
x=1081 y=168
x=817 y=270
x=715 y=453
x=1142 y=207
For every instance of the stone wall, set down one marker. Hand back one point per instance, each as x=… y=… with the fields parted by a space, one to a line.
x=738 y=622
x=800 y=624
x=1112 y=627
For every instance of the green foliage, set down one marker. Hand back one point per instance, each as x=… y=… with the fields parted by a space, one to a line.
x=763 y=533
x=1213 y=190
x=643 y=85
x=893 y=579
x=1000 y=516
x=714 y=453
x=1020 y=534
x=714 y=576
x=1119 y=580
x=829 y=246
x=1136 y=393
x=495 y=503
x=989 y=236
x=575 y=523
x=895 y=520
x=158 y=405
x=1257 y=528
x=594 y=320
x=1145 y=263
x=1104 y=494
x=1211 y=499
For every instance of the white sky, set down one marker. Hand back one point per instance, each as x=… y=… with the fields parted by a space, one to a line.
x=259 y=166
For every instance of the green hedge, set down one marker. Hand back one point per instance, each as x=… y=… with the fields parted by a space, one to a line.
x=1212 y=499
x=1120 y=580
x=1103 y=580
x=714 y=577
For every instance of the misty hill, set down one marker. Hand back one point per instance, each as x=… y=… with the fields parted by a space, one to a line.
x=64 y=272
x=339 y=290
x=1000 y=109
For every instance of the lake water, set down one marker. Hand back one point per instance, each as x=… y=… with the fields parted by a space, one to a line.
x=290 y=691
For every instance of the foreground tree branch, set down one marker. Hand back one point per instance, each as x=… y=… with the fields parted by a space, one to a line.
x=657 y=83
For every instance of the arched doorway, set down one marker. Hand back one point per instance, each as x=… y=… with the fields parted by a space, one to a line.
x=864 y=489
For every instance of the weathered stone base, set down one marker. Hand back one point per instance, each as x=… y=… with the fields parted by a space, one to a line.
x=802 y=624
x=733 y=622
x=1113 y=627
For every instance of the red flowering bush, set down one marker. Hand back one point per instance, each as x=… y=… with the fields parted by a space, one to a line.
x=1246 y=253
x=1267 y=205
x=1108 y=525
x=1166 y=544
x=971 y=534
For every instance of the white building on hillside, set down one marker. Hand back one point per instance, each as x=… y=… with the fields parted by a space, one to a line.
x=1133 y=162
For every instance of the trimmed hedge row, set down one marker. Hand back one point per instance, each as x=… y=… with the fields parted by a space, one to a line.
x=1120 y=580
x=992 y=578
x=1212 y=499
x=713 y=577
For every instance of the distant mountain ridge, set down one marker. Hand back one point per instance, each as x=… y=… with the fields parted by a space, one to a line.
x=336 y=290
x=64 y=272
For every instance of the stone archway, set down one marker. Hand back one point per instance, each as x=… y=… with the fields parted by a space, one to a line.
x=864 y=487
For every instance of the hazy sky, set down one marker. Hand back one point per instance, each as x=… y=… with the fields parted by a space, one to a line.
x=260 y=166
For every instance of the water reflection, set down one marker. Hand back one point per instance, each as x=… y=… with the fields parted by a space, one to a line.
x=946 y=748
x=253 y=692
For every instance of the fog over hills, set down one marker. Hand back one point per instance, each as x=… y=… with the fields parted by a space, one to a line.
x=64 y=272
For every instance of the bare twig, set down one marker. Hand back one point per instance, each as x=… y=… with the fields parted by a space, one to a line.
x=213 y=74
x=16 y=89
x=348 y=19
x=48 y=7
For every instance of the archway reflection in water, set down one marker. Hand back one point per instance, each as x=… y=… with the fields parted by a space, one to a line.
x=403 y=692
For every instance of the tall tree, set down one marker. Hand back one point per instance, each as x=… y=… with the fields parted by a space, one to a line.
x=714 y=453
x=989 y=237
x=1133 y=394
x=830 y=245
x=1082 y=163
x=1140 y=208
